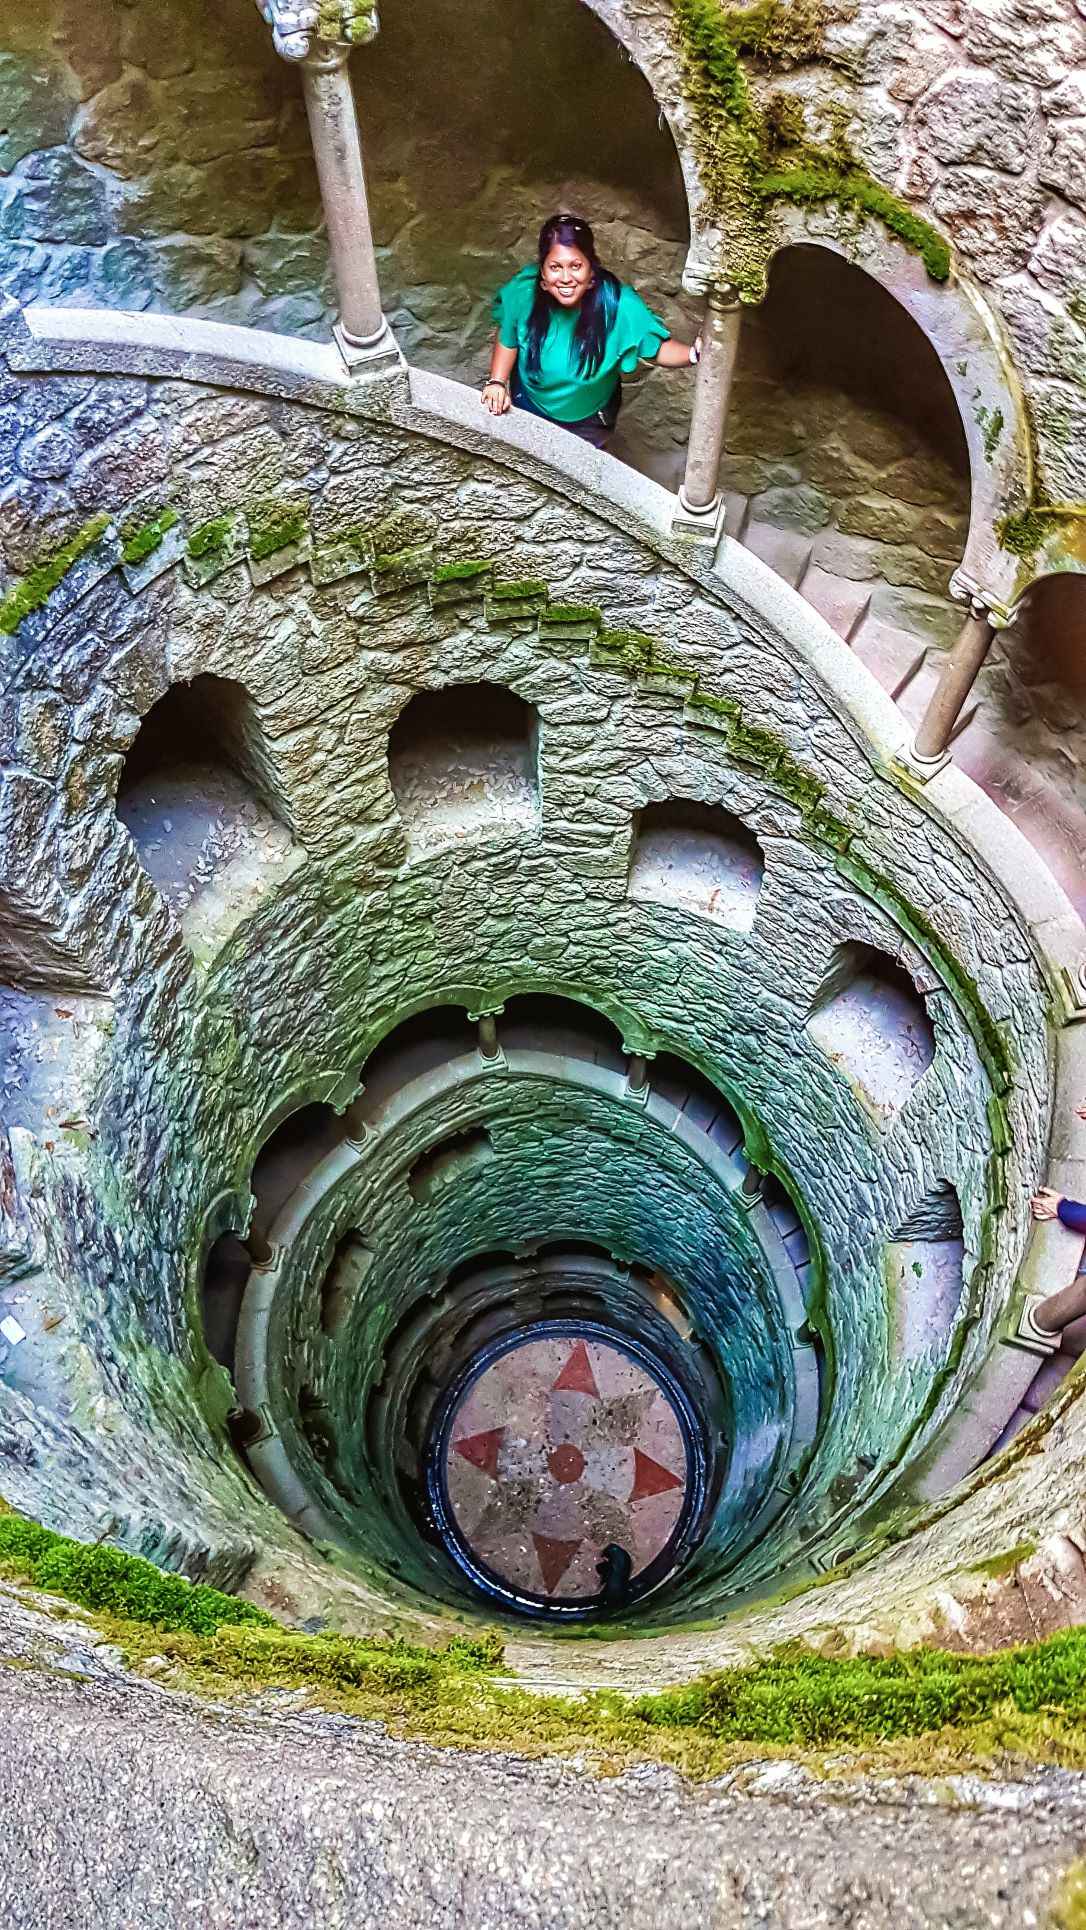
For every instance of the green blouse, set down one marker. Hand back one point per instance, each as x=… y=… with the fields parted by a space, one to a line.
x=560 y=390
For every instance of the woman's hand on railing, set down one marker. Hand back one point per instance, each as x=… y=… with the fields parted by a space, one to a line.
x=495 y=395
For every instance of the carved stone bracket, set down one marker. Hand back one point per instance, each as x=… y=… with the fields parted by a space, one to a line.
x=296 y=25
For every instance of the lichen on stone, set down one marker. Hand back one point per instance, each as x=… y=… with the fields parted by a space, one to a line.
x=755 y=154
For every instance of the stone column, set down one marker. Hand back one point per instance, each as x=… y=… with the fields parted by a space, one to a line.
x=959 y=674
x=700 y=499
x=319 y=40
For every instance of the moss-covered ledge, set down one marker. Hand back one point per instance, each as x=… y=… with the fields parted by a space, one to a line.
x=924 y=1710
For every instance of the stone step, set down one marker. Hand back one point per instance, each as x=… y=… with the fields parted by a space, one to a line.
x=787 y=551
x=844 y=604
x=736 y=511
x=894 y=656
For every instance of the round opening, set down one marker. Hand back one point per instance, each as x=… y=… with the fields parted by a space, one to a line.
x=566 y=1470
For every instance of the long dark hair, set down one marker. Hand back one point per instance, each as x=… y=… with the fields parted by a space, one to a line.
x=598 y=303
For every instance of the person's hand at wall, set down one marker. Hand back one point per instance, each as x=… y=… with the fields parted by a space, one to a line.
x=1047 y=1204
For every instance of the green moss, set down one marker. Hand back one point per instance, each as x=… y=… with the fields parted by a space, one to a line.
x=573 y=613
x=460 y=572
x=999 y=1565
x=1067 y=1911
x=411 y=559
x=142 y=540
x=107 y=1579
x=211 y=537
x=1031 y=1698
x=275 y=526
x=1027 y=533
x=754 y=155
x=37 y=587
x=517 y=592
x=992 y=423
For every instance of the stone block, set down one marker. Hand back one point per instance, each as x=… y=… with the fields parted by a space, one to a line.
x=55 y=198
x=800 y=507
x=995 y=222
x=49 y=453
x=194 y=274
x=1030 y=40
x=1059 y=260
x=119 y=470
x=1063 y=164
x=981 y=119
x=36 y=106
x=110 y=404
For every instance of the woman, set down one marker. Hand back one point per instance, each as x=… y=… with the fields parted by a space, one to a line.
x=568 y=330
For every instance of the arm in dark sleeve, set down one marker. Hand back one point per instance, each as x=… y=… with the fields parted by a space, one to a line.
x=1073 y=1214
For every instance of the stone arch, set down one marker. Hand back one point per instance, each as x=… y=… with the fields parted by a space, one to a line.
x=960 y=324
x=970 y=343
x=872 y=1023
x=202 y=806
x=699 y=858
x=463 y=757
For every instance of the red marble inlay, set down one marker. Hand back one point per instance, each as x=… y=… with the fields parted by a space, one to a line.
x=554 y=1558
x=558 y=1450
x=576 y=1376
x=651 y=1478
x=482 y=1449
x=566 y=1463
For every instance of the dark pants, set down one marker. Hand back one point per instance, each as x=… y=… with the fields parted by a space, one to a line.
x=596 y=429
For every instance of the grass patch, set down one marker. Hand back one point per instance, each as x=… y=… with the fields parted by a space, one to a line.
x=36 y=588
x=1067 y=1910
x=924 y=1710
x=111 y=1582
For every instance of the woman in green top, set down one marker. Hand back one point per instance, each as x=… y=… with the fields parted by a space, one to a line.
x=568 y=330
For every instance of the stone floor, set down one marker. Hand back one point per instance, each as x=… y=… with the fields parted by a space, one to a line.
x=561 y=1448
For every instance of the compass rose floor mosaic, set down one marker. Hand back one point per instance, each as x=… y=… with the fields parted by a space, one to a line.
x=561 y=1452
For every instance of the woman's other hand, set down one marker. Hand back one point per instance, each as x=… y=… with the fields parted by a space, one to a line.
x=1080 y=1111
x=1045 y=1203
x=495 y=397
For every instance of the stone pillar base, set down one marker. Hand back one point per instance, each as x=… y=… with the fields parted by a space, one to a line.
x=925 y=768
x=699 y=525
x=380 y=352
x=1029 y=1335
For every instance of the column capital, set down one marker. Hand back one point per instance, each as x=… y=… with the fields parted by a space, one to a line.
x=981 y=603
x=306 y=29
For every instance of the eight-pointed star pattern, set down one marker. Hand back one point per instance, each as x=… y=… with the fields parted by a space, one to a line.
x=560 y=1447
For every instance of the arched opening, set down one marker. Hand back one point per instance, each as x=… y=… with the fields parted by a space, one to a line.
x=1026 y=743
x=555 y=116
x=199 y=802
x=925 y=1267
x=846 y=460
x=462 y=760
x=699 y=858
x=871 y=1022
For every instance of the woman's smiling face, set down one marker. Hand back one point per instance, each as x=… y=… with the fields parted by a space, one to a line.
x=566 y=275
